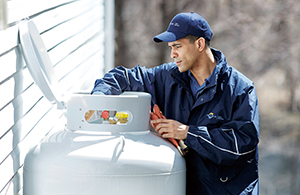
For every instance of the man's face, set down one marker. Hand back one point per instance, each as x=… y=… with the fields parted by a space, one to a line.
x=185 y=54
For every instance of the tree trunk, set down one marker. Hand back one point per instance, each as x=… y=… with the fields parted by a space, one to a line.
x=120 y=45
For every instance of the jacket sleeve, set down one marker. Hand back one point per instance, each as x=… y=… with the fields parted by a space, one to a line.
x=233 y=140
x=139 y=78
x=122 y=79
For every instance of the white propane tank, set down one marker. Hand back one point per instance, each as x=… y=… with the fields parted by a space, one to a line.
x=112 y=152
x=102 y=158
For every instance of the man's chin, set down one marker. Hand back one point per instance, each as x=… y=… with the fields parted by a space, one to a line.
x=181 y=69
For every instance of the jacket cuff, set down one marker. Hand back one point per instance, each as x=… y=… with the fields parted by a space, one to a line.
x=98 y=93
x=199 y=131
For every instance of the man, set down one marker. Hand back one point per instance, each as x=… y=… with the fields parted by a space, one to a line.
x=208 y=104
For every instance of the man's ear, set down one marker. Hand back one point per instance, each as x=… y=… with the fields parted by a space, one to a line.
x=200 y=43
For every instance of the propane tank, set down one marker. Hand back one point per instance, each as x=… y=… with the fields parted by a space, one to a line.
x=94 y=157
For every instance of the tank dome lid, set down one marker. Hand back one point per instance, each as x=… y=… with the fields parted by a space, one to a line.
x=38 y=62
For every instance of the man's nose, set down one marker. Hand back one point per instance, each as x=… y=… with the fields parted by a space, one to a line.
x=174 y=54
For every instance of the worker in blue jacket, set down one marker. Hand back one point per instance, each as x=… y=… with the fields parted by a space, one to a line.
x=208 y=104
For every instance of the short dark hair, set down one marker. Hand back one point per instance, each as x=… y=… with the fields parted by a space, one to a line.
x=193 y=38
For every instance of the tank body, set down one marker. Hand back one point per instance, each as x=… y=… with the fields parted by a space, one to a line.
x=129 y=161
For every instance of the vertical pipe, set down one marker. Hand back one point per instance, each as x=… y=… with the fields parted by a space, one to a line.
x=109 y=35
x=18 y=113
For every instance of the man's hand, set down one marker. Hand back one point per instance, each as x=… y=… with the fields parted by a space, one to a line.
x=168 y=128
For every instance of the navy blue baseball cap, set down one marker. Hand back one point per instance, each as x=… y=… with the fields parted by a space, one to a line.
x=184 y=24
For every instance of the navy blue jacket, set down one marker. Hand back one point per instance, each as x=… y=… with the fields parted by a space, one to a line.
x=223 y=121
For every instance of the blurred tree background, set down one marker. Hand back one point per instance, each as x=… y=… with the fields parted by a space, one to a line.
x=259 y=38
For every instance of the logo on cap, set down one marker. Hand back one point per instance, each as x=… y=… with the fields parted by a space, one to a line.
x=174 y=24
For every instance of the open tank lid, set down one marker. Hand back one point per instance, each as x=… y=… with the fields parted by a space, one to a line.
x=38 y=62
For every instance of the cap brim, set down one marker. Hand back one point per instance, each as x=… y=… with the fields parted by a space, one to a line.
x=168 y=37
